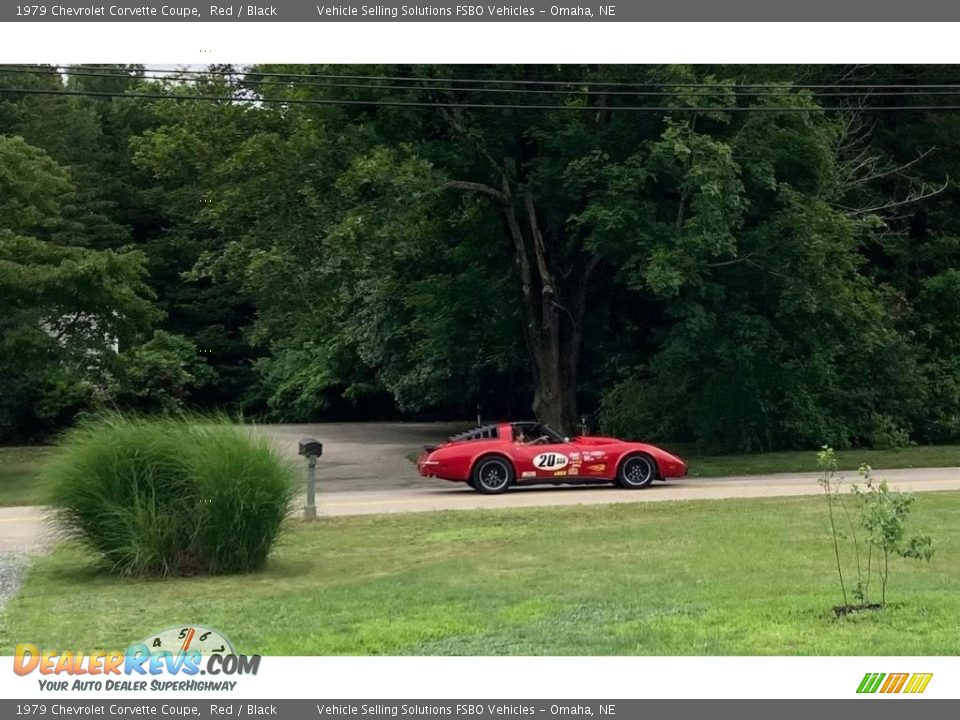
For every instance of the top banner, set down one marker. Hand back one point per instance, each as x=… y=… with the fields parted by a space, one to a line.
x=535 y=11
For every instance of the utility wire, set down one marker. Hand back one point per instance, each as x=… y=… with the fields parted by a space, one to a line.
x=773 y=91
x=580 y=82
x=478 y=106
x=732 y=91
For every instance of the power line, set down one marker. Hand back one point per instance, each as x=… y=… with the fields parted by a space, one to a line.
x=578 y=82
x=400 y=78
x=772 y=91
x=475 y=106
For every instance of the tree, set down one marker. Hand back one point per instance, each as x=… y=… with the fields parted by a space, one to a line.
x=64 y=306
x=736 y=275
x=643 y=242
x=548 y=188
x=157 y=375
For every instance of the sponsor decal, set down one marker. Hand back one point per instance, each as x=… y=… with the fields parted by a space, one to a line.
x=181 y=652
x=594 y=455
x=574 y=456
x=550 y=461
x=600 y=467
x=892 y=683
x=560 y=473
x=528 y=473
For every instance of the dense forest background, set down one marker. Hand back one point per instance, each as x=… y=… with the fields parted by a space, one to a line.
x=744 y=257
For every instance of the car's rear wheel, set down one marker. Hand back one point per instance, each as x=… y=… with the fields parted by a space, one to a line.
x=492 y=474
x=636 y=471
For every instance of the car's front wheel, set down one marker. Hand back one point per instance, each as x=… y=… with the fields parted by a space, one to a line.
x=636 y=471
x=492 y=474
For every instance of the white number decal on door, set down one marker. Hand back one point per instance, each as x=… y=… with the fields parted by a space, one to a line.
x=550 y=461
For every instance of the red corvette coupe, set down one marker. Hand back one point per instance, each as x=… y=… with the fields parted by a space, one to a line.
x=491 y=458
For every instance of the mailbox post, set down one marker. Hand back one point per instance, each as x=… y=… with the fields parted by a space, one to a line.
x=311 y=449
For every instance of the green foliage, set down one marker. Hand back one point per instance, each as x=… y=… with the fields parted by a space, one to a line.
x=879 y=515
x=158 y=375
x=741 y=281
x=170 y=496
x=883 y=514
x=782 y=344
x=64 y=306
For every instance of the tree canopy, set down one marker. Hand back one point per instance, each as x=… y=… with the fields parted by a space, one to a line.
x=746 y=270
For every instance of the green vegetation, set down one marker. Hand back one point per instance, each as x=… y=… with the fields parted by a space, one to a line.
x=695 y=578
x=799 y=461
x=171 y=496
x=65 y=299
x=20 y=479
x=742 y=281
x=873 y=521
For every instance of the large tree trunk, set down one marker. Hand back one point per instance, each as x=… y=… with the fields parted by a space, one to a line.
x=551 y=311
x=555 y=397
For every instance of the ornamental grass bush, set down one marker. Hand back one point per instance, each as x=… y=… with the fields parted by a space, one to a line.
x=171 y=496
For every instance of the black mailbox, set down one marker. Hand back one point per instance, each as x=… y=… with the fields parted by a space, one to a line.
x=309 y=447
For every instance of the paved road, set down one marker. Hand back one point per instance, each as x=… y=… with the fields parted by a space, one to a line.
x=25 y=529
x=364 y=456
x=442 y=495
x=365 y=469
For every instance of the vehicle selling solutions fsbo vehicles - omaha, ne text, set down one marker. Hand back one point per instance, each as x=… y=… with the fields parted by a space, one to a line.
x=491 y=458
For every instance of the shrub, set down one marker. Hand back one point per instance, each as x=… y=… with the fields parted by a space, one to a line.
x=158 y=375
x=171 y=496
x=880 y=516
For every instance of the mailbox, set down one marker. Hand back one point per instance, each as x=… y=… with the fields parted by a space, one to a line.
x=309 y=447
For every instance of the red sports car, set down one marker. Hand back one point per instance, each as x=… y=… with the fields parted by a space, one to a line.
x=491 y=458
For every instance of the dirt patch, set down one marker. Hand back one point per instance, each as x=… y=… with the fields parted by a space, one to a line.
x=844 y=610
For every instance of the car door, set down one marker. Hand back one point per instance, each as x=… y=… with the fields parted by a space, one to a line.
x=594 y=461
x=544 y=461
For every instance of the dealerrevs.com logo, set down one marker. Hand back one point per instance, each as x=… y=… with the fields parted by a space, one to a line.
x=183 y=652
x=892 y=683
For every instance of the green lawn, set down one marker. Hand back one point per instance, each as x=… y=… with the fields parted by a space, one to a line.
x=694 y=578
x=805 y=460
x=19 y=484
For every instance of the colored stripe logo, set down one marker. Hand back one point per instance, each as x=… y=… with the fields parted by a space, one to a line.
x=913 y=683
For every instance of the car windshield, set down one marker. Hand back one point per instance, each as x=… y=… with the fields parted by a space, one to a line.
x=529 y=432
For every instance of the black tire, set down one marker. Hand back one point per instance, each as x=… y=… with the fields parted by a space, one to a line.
x=492 y=474
x=636 y=471
x=471 y=483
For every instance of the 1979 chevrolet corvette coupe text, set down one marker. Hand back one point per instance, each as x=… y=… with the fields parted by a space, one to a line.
x=491 y=458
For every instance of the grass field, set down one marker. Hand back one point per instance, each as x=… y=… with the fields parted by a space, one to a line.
x=687 y=578
x=19 y=482
x=805 y=460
